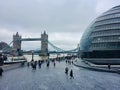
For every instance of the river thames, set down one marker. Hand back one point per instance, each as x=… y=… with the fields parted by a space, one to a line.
x=37 y=57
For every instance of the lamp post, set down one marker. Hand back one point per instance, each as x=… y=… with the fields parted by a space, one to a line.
x=32 y=55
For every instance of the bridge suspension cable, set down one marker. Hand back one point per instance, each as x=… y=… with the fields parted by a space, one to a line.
x=61 y=50
x=10 y=43
x=5 y=48
x=55 y=47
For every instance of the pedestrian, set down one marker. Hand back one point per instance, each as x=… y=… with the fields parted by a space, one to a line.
x=1 y=60
x=48 y=64
x=72 y=61
x=54 y=63
x=109 y=66
x=33 y=64
x=66 y=61
x=1 y=71
x=39 y=63
x=66 y=70
x=28 y=64
x=71 y=74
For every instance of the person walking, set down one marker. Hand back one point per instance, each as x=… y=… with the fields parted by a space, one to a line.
x=109 y=66
x=28 y=64
x=1 y=71
x=66 y=61
x=48 y=63
x=71 y=74
x=54 y=63
x=33 y=64
x=72 y=61
x=39 y=63
x=66 y=70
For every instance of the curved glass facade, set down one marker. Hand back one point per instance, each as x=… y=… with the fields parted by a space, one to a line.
x=102 y=37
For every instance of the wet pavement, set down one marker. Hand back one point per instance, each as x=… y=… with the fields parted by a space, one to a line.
x=54 y=78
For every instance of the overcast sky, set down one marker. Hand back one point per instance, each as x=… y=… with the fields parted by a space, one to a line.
x=63 y=20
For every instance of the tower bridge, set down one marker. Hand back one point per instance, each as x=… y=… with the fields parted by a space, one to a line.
x=17 y=41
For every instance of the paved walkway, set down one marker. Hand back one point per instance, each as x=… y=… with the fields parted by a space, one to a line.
x=51 y=78
x=10 y=66
x=91 y=66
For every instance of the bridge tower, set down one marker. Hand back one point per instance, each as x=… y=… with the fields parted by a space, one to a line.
x=44 y=44
x=16 y=42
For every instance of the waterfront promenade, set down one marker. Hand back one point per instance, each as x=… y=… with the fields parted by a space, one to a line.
x=102 y=68
x=54 y=78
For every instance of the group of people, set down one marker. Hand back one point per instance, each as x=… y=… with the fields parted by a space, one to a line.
x=71 y=72
x=39 y=63
x=35 y=63
x=69 y=61
x=48 y=63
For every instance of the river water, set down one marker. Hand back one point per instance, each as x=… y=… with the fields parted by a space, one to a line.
x=37 y=57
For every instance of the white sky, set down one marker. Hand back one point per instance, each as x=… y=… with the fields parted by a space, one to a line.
x=63 y=20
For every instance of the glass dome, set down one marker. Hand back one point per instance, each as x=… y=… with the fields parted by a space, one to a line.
x=102 y=38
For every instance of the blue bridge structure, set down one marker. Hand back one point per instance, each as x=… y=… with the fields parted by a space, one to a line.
x=44 y=51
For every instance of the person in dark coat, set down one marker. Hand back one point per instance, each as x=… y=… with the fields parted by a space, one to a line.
x=39 y=63
x=66 y=70
x=109 y=66
x=54 y=63
x=71 y=74
x=48 y=63
x=66 y=61
x=72 y=62
x=1 y=60
x=28 y=64
x=33 y=64
x=1 y=71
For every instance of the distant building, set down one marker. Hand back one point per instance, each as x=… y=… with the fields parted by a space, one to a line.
x=100 y=43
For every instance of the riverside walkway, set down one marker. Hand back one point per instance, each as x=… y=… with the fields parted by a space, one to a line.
x=54 y=78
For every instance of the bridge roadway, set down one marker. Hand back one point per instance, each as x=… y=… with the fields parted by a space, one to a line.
x=51 y=78
x=30 y=39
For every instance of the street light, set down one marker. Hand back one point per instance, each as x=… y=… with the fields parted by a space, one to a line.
x=32 y=55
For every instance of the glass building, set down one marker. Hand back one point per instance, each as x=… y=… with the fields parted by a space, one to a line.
x=100 y=43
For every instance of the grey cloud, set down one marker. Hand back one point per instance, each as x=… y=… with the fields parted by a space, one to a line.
x=43 y=13
x=31 y=17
